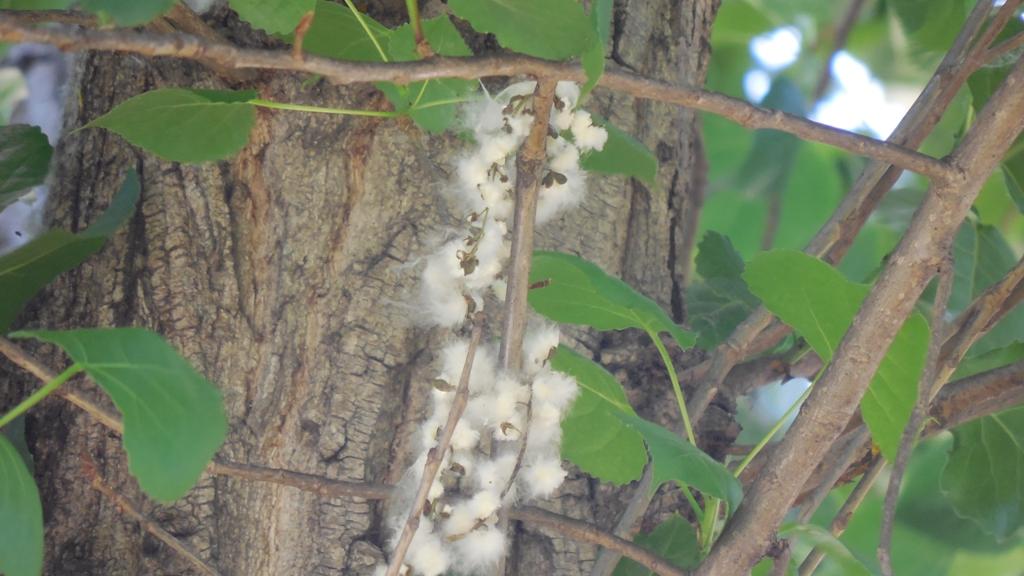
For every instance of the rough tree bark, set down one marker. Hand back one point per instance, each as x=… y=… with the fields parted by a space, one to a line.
x=285 y=275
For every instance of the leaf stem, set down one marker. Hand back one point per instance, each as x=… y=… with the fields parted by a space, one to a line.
x=366 y=28
x=317 y=109
x=38 y=395
x=680 y=398
x=697 y=510
x=708 y=525
x=436 y=103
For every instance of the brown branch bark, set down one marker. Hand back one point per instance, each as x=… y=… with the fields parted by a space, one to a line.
x=436 y=454
x=837 y=395
x=760 y=331
x=842 y=517
x=13 y=28
x=928 y=383
x=842 y=33
x=333 y=488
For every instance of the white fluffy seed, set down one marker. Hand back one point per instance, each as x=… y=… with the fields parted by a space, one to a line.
x=494 y=474
x=543 y=477
x=554 y=388
x=480 y=550
x=587 y=136
x=538 y=344
x=465 y=437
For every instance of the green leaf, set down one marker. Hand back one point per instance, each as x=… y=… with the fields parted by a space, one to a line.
x=990 y=360
x=32 y=266
x=995 y=259
x=984 y=478
x=128 y=12
x=622 y=154
x=21 y=532
x=983 y=84
x=965 y=259
x=24 y=160
x=593 y=64
x=173 y=418
x=552 y=29
x=829 y=544
x=574 y=291
x=716 y=306
x=184 y=125
x=673 y=458
x=820 y=304
x=274 y=16
x=593 y=438
x=593 y=57
x=674 y=540
x=35 y=4
x=931 y=24
x=445 y=40
x=337 y=33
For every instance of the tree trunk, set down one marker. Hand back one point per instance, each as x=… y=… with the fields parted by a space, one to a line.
x=286 y=274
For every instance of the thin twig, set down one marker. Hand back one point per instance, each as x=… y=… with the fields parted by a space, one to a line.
x=928 y=384
x=979 y=317
x=845 y=457
x=842 y=33
x=890 y=302
x=436 y=454
x=530 y=164
x=1005 y=47
x=957 y=403
x=584 y=532
x=14 y=29
x=842 y=517
x=628 y=522
x=15 y=354
x=122 y=503
x=759 y=331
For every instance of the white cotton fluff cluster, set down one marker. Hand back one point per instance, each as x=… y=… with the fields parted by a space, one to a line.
x=491 y=464
x=463 y=271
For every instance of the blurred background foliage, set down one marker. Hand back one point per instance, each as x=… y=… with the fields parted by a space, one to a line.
x=770 y=190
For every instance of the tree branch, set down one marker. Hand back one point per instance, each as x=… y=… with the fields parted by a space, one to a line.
x=760 y=331
x=842 y=517
x=926 y=387
x=436 y=454
x=842 y=33
x=333 y=488
x=15 y=28
x=834 y=399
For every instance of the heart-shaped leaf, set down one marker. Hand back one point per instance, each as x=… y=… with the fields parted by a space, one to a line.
x=716 y=306
x=622 y=154
x=820 y=304
x=21 y=532
x=184 y=125
x=31 y=267
x=571 y=290
x=274 y=16
x=984 y=478
x=674 y=540
x=337 y=33
x=24 y=160
x=553 y=29
x=128 y=12
x=173 y=417
x=673 y=458
x=593 y=438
